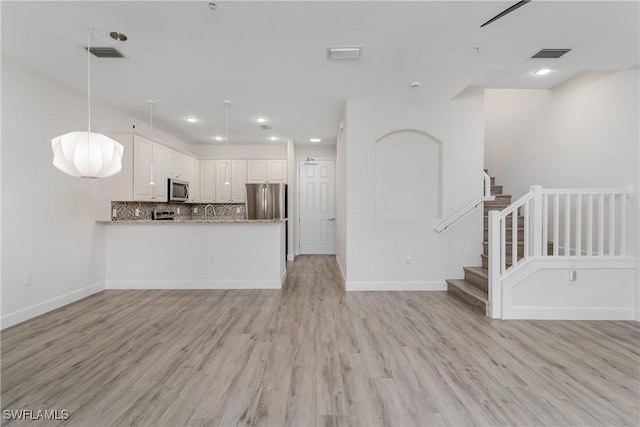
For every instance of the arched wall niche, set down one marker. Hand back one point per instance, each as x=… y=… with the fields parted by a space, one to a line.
x=408 y=183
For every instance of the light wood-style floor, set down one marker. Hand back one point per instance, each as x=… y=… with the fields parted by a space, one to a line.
x=313 y=355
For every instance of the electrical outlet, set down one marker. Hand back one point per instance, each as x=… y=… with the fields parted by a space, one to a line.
x=137 y=211
x=573 y=277
x=195 y=210
x=408 y=259
x=29 y=279
x=178 y=211
x=237 y=210
x=359 y=213
x=114 y=213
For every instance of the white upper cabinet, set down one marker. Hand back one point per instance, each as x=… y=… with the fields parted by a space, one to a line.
x=256 y=171
x=149 y=170
x=160 y=183
x=142 y=155
x=208 y=181
x=277 y=171
x=176 y=165
x=259 y=171
x=238 y=180
x=192 y=176
x=231 y=176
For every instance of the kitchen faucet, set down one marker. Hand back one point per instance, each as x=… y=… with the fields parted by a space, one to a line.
x=213 y=209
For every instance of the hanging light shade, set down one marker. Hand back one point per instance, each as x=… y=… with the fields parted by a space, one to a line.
x=87 y=154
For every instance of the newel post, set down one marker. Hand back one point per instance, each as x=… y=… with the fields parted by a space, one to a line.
x=495 y=282
x=536 y=233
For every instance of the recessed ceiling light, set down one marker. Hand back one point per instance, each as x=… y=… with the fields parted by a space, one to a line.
x=542 y=72
x=260 y=119
x=191 y=119
x=315 y=140
x=274 y=138
x=218 y=138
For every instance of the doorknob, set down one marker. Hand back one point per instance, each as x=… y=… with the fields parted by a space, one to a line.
x=332 y=219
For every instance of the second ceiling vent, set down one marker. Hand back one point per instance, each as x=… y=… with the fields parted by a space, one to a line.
x=551 y=53
x=344 y=52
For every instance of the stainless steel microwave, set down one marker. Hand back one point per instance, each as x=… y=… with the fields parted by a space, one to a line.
x=178 y=191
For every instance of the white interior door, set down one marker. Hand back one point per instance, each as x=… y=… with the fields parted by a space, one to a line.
x=316 y=206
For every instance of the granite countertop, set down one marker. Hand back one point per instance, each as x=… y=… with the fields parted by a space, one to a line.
x=217 y=220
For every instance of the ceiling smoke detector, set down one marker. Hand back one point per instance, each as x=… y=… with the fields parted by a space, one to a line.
x=344 y=52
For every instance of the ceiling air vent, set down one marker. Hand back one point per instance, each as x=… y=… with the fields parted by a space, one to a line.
x=551 y=53
x=344 y=52
x=265 y=127
x=106 y=52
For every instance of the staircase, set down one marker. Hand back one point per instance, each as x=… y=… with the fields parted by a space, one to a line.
x=474 y=288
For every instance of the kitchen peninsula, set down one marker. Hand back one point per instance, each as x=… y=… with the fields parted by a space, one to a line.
x=220 y=253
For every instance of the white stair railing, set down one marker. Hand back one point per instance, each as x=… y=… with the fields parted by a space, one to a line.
x=467 y=209
x=555 y=224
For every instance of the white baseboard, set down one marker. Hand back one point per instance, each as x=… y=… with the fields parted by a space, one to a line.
x=283 y=278
x=49 y=305
x=571 y=313
x=395 y=286
x=194 y=284
x=636 y=315
x=291 y=257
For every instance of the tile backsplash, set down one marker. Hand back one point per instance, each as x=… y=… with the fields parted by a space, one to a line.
x=126 y=211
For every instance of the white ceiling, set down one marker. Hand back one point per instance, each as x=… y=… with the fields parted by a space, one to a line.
x=269 y=58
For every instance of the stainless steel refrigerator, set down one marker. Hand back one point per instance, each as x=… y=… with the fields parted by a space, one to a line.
x=266 y=201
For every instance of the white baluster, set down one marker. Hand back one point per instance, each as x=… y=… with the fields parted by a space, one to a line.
x=556 y=225
x=579 y=225
x=601 y=225
x=539 y=215
x=612 y=225
x=514 y=238
x=623 y=224
x=590 y=225
x=544 y=248
x=525 y=231
x=567 y=224
x=503 y=245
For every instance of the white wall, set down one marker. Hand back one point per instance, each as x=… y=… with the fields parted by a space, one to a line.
x=583 y=133
x=341 y=196
x=377 y=249
x=48 y=218
x=241 y=151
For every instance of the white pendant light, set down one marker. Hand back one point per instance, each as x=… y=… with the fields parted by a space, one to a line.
x=87 y=154
x=227 y=169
